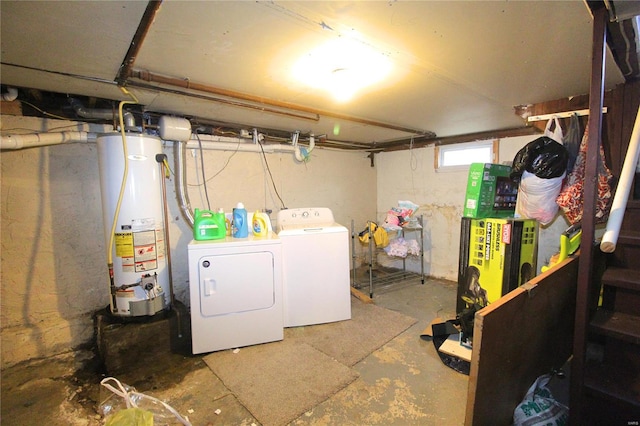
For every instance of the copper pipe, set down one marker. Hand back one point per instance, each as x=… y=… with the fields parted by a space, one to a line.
x=143 y=28
x=420 y=142
x=238 y=104
x=189 y=85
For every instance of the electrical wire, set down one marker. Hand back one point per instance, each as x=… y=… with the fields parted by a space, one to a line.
x=219 y=171
x=413 y=160
x=204 y=178
x=413 y=164
x=264 y=156
x=168 y=171
x=48 y=114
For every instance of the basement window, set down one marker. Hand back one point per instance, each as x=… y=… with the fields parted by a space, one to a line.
x=458 y=156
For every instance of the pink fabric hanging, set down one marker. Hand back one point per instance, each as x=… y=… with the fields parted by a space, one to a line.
x=571 y=197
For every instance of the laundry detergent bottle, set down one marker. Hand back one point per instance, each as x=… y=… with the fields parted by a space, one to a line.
x=240 y=225
x=261 y=224
x=208 y=225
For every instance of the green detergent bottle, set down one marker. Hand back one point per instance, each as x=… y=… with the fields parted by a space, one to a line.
x=208 y=225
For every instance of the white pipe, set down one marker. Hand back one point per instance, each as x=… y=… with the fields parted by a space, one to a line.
x=44 y=139
x=242 y=146
x=619 y=205
x=221 y=143
x=299 y=155
x=10 y=95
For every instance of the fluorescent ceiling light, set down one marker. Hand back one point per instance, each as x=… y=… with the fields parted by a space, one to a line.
x=342 y=66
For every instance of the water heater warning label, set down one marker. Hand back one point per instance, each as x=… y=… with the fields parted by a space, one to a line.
x=139 y=251
x=145 y=250
x=124 y=244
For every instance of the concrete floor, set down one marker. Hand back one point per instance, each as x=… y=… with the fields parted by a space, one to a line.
x=402 y=383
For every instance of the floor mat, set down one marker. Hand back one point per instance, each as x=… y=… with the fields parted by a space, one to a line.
x=279 y=381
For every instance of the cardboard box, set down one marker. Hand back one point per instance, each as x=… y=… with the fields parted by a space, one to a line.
x=496 y=256
x=490 y=192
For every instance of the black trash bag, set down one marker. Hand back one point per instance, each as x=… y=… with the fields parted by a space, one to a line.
x=543 y=157
x=572 y=141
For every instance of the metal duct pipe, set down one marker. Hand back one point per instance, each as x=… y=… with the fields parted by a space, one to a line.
x=179 y=151
x=81 y=111
x=103 y=114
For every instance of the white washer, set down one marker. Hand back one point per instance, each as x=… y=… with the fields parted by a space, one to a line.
x=315 y=256
x=236 y=292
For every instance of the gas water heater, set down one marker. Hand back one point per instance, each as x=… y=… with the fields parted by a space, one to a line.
x=140 y=279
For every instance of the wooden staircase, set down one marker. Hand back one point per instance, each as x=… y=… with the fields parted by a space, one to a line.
x=605 y=373
x=612 y=368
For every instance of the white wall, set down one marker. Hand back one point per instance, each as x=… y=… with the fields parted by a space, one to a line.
x=410 y=175
x=53 y=271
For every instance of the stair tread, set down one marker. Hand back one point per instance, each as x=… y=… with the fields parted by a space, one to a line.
x=612 y=381
x=633 y=204
x=629 y=237
x=622 y=277
x=616 y=324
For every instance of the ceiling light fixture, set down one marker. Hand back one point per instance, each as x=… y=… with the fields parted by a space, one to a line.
x=343 y=66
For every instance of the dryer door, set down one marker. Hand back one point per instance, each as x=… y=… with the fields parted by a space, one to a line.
x=238 y=282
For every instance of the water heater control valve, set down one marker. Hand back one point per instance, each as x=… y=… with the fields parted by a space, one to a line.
x=149 y=282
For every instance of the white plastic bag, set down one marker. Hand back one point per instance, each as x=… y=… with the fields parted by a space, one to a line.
x=556 y=134
x=124 y=397
x=539 y=407
x=537 y=197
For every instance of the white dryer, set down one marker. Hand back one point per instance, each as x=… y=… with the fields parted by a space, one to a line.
x=315 y=256
x=236 y=292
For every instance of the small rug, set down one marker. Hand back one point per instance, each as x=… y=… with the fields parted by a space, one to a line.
x=277 y=382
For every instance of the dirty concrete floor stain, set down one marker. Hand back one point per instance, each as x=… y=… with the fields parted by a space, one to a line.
x=402 y=383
